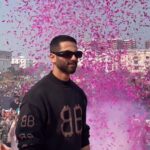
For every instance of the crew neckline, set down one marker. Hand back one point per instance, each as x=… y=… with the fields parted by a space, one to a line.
x=58 y=81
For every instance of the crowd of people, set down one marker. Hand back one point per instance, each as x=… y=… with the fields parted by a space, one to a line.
x=13 y=90
x=18 y=86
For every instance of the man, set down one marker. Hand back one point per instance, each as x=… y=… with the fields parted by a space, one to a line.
x=15 y=103
x=53 y=112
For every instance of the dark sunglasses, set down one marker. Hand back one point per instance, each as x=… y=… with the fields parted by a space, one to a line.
x=68 y=54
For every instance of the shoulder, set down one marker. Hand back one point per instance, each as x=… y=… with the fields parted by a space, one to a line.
x=80 y=90
x=37 y=91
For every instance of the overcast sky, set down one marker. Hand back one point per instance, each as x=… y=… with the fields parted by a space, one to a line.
x=16 y=23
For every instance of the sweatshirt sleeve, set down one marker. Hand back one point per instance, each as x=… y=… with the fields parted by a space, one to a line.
x=86 y=128
x=31 y=123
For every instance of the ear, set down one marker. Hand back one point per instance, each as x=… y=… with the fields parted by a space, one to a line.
x=52 y=57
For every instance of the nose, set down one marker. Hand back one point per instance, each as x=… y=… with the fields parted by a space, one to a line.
x=74 y=57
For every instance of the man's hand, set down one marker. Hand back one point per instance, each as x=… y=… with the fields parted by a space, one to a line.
x=86 y=148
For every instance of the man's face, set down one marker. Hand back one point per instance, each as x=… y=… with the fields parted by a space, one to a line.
x=67 y=65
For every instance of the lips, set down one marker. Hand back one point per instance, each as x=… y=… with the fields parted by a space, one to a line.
x=73 y=64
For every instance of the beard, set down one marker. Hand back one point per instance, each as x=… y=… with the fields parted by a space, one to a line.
x=67 y=67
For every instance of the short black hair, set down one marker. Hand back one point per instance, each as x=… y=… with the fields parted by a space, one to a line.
x=54 y=44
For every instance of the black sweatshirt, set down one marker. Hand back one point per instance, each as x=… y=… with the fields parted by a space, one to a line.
x=53 y=116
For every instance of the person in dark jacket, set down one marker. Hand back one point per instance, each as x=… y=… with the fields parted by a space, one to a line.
x=53 y=112
x=15 y=103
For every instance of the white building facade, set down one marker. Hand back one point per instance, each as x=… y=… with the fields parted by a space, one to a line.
x=22 y=61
